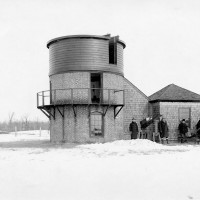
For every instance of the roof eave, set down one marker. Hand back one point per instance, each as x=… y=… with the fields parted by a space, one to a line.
x=158 y=100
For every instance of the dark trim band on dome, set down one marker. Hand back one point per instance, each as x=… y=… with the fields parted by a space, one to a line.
x=90 y=71
x=82 y=36
x=122 y=43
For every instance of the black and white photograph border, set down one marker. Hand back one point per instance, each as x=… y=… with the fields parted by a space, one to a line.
x=99 y=99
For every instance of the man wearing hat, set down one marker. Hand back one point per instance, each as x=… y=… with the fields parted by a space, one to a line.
x=133 y=128
x=163 y=129
x=198 y=129
x=183 y=129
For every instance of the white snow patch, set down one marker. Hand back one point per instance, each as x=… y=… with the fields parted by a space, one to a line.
x=32 y=168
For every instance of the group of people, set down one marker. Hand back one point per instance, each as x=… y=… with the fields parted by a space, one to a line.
x=183 y=130
x=162 y=127
x=163 y=130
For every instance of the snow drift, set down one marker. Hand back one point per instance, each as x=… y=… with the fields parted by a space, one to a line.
x=32 y=168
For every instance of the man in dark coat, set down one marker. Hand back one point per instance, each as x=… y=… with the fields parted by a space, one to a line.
x=163 y=129
x=198 y=129
x=133 y=128
x=183 y=129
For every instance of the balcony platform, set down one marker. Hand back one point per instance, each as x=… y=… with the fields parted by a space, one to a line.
x=51 y=100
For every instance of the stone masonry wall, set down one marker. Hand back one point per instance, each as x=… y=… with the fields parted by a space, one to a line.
x=114 y=126
x=156 y=109
x=70 y=80
x=136 y=105
x=67 y=81
x=71 y=128
x=56 y=128
x=77 y=129
x=169 y=110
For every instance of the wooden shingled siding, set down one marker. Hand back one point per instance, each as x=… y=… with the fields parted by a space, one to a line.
x=83 y=54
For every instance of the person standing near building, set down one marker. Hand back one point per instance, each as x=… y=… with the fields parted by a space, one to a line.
x=163 y=129
x=198 y=129
x=160 y=123
x=144 y=124
x=133 y=128
x=183 y=129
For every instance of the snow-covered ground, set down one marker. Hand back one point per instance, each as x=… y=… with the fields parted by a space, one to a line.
x=33 y=169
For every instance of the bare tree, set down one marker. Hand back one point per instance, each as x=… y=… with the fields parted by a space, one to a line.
x=10 y=121
x=25 y=122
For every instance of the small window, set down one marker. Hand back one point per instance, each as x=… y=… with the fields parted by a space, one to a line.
x=185 y=113
x=112 y=51
x=96 y=79
x=96 y=124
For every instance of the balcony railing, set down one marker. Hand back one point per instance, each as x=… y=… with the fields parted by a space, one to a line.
x=80 y=96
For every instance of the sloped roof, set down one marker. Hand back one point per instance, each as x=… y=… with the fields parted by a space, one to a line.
x=136 y=88
x=174 y=93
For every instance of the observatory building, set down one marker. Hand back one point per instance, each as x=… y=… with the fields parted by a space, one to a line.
x=89 y=99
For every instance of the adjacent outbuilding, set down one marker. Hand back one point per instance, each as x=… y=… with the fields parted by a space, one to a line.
x=176 y=103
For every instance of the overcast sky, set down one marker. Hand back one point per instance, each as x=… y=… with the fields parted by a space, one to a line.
x=162 y=38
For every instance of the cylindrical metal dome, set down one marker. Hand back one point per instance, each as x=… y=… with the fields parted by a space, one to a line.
x=86 y=53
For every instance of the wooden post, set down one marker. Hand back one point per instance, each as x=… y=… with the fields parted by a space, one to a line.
x=72 y=95
x=156 y=126
x=109 y=96
x=156 y=133
x=123 y=96
x=42 y=98
x=37 y=99
x=102 y=96
x=89 y=96
x=54 y=97
x=15 y=131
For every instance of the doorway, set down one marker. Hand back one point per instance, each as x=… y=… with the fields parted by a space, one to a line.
x=96 y=85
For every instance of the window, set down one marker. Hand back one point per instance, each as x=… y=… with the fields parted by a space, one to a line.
x=96 y=84
x=112 y=51
x=185 y=113
x=96 y=124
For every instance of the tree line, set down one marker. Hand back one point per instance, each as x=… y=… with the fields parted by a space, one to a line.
x=22 y=124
